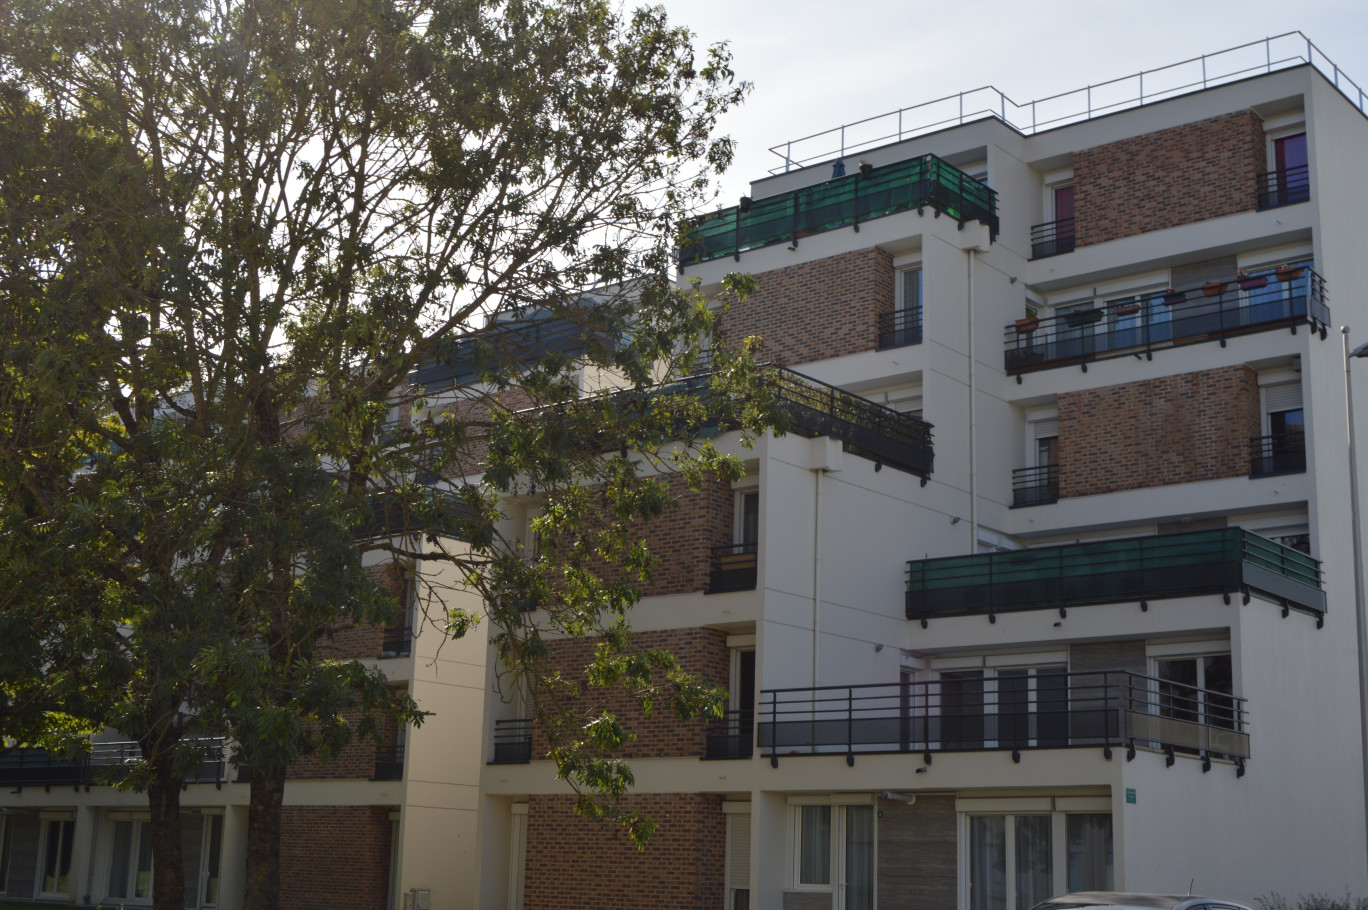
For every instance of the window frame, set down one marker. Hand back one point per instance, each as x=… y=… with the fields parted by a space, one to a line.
x=40 y=867
x=1058 y=809
x=838 y=806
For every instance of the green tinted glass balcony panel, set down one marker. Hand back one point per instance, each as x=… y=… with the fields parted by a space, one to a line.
x=841 y=202
x=1141 y=568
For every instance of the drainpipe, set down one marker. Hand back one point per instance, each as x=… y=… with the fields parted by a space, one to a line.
x=973 y=434
x=816 y=572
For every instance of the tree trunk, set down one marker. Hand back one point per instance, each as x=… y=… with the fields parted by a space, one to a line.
x=168 y=869
x=264 y=813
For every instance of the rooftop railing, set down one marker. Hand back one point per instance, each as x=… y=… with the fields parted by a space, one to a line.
x=1284 y=297
x=107 y=763
x=1196 y=74
x=1221 y=561
x=840 y=202
x=1050 y=709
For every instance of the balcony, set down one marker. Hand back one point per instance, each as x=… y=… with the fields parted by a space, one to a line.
x=1140 y=325
x=812 y=409
x=1281 y=453
x=731 y=736
x=1285 y=187
x=1035 y=486
x=1050 y=710
x=107 y=764
x=389 y=763
x=396 y=641
x=1113 y=571
x=837 y=203
x=732 y=568
x=1052 y=238
x=899 y=328
x=512 y=741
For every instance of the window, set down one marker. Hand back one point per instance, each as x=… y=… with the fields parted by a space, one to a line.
x=209 y=870
x=907 y=319
x=55 y=864
x=130 y=864
x=747 y=524
x=834 y=851
x=1283 y=447
x=1004 y=706
x=1197 y=689
x=738 y=859
x=4 y=853
x=1056 y=235
x=1290 y=180
x=1012 y=859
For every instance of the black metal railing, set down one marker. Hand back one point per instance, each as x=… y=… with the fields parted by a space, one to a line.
x=813 y=408
x=512 y=741
x=1139 y=325
x=396 y=641
x=107 y=763
x=841 y=202
x=1036 y=486
x=731 y=736
x=1220 y=561
x=871 y=430
x=1052 y=238
x=899 y=328
x=732 y=568
x=1285 y=187
x=389 y=763
x=1048 y=709
x=1281 y=453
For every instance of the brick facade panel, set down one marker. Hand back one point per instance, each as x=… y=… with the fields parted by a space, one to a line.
x=335 y=857
x=1174 y=429
x=577 y=864
x=1181 y=175
x=362 y=641
x=681 y=539
x=700 y=652
x=816 y=310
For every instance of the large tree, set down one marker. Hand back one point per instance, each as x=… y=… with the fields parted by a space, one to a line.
x=258 y=220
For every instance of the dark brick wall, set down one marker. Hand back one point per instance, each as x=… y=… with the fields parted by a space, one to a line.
x=682 y=538
x=816 y=310
x=363 y=640
x=701 y=652
x=916 y=860
x=335 y=857
x=1174 y=429
x=577 y=864
x=1176 y=176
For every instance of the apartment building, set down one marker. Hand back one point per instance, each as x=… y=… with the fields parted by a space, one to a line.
x=381 y=826
x=1050 y=586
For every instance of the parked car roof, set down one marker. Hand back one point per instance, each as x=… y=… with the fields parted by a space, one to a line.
x=1080 y=899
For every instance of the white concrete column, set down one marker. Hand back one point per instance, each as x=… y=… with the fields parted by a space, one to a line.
x=233 y=860
x=83 y=849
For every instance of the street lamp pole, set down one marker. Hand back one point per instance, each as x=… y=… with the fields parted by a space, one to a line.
x=1360 y=622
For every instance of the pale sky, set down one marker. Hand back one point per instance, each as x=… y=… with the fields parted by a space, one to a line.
x=815 y=65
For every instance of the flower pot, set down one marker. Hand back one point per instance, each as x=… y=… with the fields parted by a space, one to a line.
x=1289 y=273
x=866 y=169
x=1213 y=288
x=1127 y=309
x=1027 y=326
x=1253 y=283
x=1082 y=317
x=1173 y=297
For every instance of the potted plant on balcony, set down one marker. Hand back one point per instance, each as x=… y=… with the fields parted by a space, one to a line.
x=866 y=169
x=1127 y=308
x=1251 y=282
x=1289 y=272
x=1171 y=297
x=1082 y=317
x=1213 y=288
x=1026 y=325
